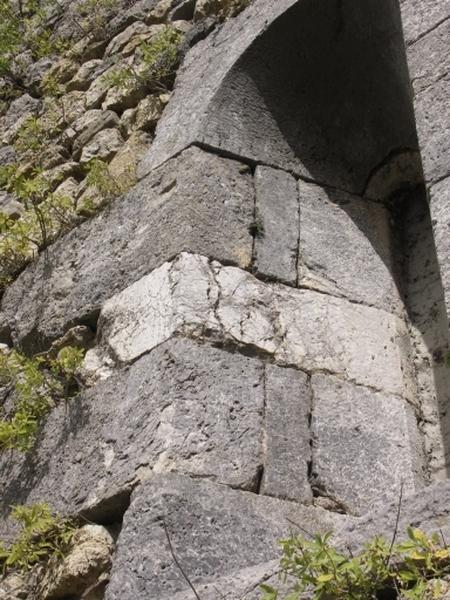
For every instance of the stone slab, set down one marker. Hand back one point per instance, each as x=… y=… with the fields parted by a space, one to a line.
x=347 y=248
x=433 y=128
x=421 y=16
x=365 y=445
x=276 y=225
x=428 y=58
x=194 y=297
x=428 y=509
x=184 y=407
x=287 y=436
x=197 y=202
x=215 y=533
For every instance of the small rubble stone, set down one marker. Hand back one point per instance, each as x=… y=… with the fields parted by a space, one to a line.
x=90 y=556
x=104 y=145
x=149 y=112
x=88 y=125
x=84 y=76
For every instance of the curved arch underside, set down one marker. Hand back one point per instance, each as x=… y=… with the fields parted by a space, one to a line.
x=317 y=87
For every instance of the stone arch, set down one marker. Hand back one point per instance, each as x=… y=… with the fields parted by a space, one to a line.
x=319 y=89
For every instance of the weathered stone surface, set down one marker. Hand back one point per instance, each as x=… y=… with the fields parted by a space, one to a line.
x=88 y=71
x=216 y=533
x=118 y=43
x=195 y=297
x=197 y=202
x=89 y=557
x=287 y=436
x=184 y=407
x=91 y=122
x=341 y=235
x=440 y=214
x=433 y=128
x=425 y=298
x=277 y=224
x=149 y=112
x=9 y=206
x=19 y=111
x=428 y=58
x=428 y=509
x=366 y=445
x=104 y=145
x=421 y=16
x=252 y=101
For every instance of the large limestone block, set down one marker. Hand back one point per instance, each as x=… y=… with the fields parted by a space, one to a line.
x=184 y=407
x=197 y=202
x=428 y=57
x=277 y=90
x=366 y=444
x=277 y=225
x=440 y=214
x=216 y=533
x=428 y=509
x=347 y=247
x=194 y=297
x=287 y=437
x=433 y=128
x=421 y=16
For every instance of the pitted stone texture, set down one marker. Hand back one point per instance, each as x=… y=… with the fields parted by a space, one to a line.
x=287 y=435
x=216 y=533
x=427 y=288
x=347 y=247
x=440 y=214
x=193 y=297
x=196 y=202
x=433 y=128
x=276 y=224
x=265 y=94
x=428 y=509
x=428 y=58
x=422 y=16
x=189 y=408
x=365 y=445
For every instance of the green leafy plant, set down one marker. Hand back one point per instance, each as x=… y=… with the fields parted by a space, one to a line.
x=42 y=535
x=411 y=569
x=34 y=384
x=158 y=62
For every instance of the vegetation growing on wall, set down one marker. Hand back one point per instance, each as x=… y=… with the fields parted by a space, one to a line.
x=34 y=385
x=42 y=535
x=410 y=570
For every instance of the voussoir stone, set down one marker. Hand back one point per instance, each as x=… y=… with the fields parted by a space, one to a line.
x=197 y=202
x=185 y=407
x=342 y=234
x=265 y=94
x=217 y=534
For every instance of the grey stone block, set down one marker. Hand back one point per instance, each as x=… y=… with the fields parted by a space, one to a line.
x=433 y=128
x=277 y=225
x=365 y=445
x=428 y=58
x=421 y=16
x=287 y=435
x=347 y=248
x=184 y=407
x=276 y=89
x=428 y=509
x=197 y=202
x=195 y=297
x=216 y=533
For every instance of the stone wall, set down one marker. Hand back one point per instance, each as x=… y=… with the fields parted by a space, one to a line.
x=268 y=300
